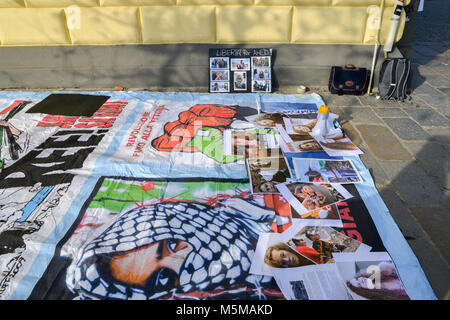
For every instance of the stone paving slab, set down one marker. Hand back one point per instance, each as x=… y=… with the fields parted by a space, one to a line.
x=434 y=158
x=431 y=259
x=435 y=62
x=374 y=102
x=336 y=100
x=426 y=51
x=443 y=51
x=407 y=223
x=433 y=265
x=382 y=143
x=437 y=80
x=357 y=114
x=413 y=184
x=406 y=128
x=425 y=88
x=417 y=80
x=434 y=221
x=390 y=112
x=427 y=117
x=439 y=101
x=445 y=91
x=351 y=132
x=441 y=135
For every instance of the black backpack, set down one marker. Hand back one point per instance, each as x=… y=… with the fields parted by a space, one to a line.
x=394 y=76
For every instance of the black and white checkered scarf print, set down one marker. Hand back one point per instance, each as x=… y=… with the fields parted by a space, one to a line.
x=223 y=242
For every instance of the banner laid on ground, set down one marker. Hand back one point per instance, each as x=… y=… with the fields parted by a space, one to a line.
x=141 y=200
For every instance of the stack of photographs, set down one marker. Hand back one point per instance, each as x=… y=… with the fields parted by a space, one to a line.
x=219 y=74
x=315 y=256
x=266 y=173
x=261 y=74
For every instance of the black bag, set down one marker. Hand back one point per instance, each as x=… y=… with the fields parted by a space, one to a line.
x=394 y=76
x=348 y=80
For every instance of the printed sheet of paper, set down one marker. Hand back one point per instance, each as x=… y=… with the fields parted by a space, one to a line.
x=325 y=216
x=266 y=120
x=318 y=243
x=319 y=282
x=299 y=125
x=303 y=125
x=294 y=143
x=338 y=145
x=266 y=173
x=328 y=171
x=370 y=276
x=271 y=253
x=306 y=197
x=251 y=143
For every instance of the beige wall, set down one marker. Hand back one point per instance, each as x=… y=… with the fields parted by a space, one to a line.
x=114 y=22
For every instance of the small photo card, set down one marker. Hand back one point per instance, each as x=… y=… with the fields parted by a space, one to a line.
x=261 y=86
x=220 y=75
x=220 y=86
x=318 y=243
x=266 y=173
x=219 y=63
x=261 y=74
x=263 y=62
x=240 y=64
x=306 y=196
x=326 y=171
x=240 y=81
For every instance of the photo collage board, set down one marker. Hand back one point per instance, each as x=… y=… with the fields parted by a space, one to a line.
x=240 y=70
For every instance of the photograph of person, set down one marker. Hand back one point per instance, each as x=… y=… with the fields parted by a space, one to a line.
x=220 y=86
x=261 y=73
x=325 y=241
x=280 y=255
x=219 y=63
x=266 y=120
x=328 y=171
x=373 y=280
x=299 y=126
x=260 y=62
x=219 y=75
x=271 y=252
x=328 y=212
x=305 y=197
x=240 y=64
x=261 y=86
x=308 y=145
x=240 y=81
x=339 y=145
x=304 y=250
x=315 y=196
x=266 y=173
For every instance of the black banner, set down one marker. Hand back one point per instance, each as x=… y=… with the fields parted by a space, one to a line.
x=240 y=70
